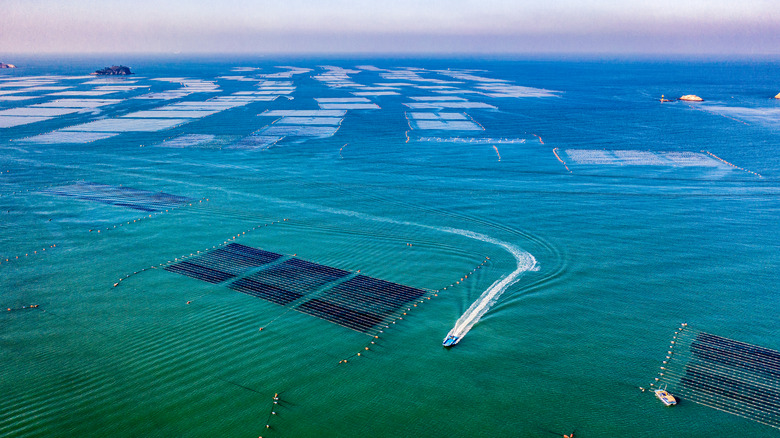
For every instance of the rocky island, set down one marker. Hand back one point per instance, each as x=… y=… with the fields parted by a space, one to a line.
x=691 y=98
x=113 y=70
x=4 y=65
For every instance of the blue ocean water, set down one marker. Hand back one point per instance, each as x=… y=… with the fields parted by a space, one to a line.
x=447 y=175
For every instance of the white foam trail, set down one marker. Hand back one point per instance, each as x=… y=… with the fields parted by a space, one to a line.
x=525 y=262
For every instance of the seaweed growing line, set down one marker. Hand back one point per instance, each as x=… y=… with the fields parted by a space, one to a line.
x=724 y=374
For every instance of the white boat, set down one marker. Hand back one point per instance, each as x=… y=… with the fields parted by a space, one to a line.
x=665 y=397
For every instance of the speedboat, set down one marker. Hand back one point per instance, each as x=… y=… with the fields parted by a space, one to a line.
x=665 y=397
x=450 y=340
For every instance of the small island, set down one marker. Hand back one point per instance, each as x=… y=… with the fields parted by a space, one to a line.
x=113 y=71
x=778 y=96
x=4 y=65
x=691 y=98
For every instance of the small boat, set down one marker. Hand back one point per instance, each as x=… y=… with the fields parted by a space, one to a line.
x=665 y=397
x=450 y=340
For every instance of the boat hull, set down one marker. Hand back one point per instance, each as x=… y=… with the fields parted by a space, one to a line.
x=450 y=340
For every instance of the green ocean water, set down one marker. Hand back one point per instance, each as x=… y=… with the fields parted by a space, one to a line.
x=624 y=253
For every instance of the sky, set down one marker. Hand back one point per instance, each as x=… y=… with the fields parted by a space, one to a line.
x=660 y=27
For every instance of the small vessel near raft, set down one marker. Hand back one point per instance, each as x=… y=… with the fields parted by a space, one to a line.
x=665 y=397
x=450 y=340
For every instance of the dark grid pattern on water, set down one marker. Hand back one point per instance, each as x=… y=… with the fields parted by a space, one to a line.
x=362 y=302
x=199 y=272
x=235 y=258
x=120 y=196
x=352 y=318
x=359 y=303
x=298 y=275
x=724 y=374
x=224 y=263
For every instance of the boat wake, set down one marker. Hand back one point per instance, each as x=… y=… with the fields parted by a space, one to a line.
x=525 y=262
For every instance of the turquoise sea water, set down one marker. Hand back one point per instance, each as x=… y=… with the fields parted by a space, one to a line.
x=626 y=247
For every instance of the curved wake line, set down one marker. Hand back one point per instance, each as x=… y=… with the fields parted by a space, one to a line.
x=472 y=315
x=525 y=261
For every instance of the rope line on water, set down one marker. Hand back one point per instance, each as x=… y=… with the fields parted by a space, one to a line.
x=272 y=412
x=14 y=309
x=9 y=259
x=149 y=216
x=198 y=253
x=730 y=164
x=36 y=189
x=555 y=151
x=723 y=374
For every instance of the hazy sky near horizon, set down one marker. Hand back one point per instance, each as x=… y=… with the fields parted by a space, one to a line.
x=401 y=26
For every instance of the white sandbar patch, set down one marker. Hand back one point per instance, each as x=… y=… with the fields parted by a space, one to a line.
x=639 y=158
x=304 y=113
x=38 y=112
x=47 y=88
x=300 y=130
x=449 y=104
x=376 y=93
x=69 y=137
x=164 y=95
x=127 y=125
x=82 y=93
x=256 y=142
x=185 y=114
x=188 y=140
x=437 y=116
x=597 y=157
x=77 y=103
x=445 y=125
x=493 y=90
x=11 y=121
x=16 y=98
x=202 y=106
x=309 y=121
x=437 y=98
x=342 y=100
x=441 y=121
x=349 y=106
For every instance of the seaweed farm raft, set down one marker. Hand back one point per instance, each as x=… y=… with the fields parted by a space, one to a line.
x=721 y=373
x=354 y=301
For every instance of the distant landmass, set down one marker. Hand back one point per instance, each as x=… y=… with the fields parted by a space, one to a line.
x=3 y=65
x=113 y=70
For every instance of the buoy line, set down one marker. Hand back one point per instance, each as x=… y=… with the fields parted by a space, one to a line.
x=400 y=316
x=149 y=216
x=198 y=253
